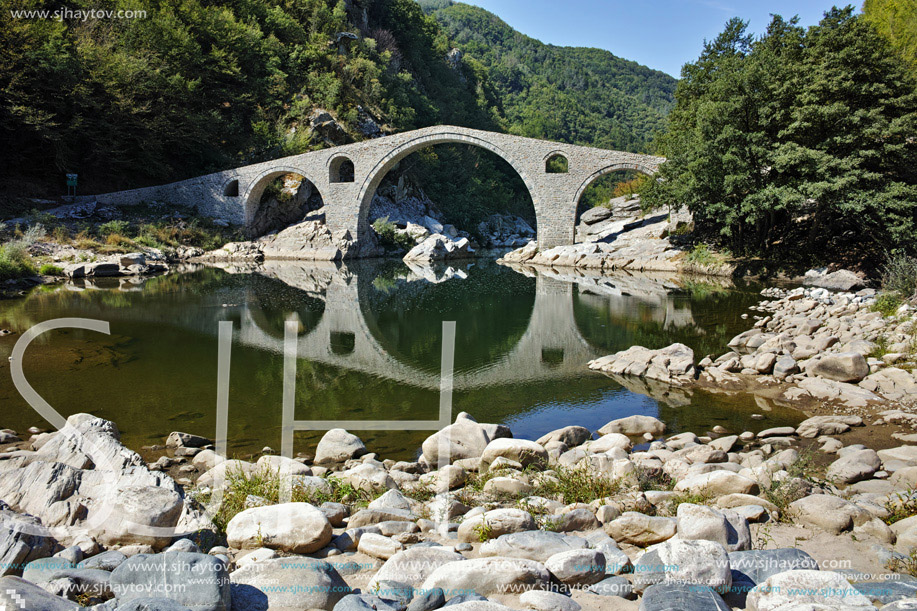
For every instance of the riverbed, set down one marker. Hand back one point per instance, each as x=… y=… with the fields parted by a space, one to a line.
x=369 y=343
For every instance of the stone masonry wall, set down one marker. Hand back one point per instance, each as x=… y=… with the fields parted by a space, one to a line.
x=555 y=196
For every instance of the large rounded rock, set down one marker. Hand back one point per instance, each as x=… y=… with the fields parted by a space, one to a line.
x=841 y=367
x=828 y=512
x=572 y=436
x=833 y=424
x=577 y=567
x=281 y=465
x=681 y=597
x=378 y=546
x=805 y=589
x=751 y=567
x=465 y=438
x=22 y=540
x=375 y=515
x=494 y=523
x=486 y=576
x=412 y=566
x=539 y=600
x=538 y=545
x=337 y=446
x=854 y=466
x=522 y=451
x=299 y=528
x=140 y=515
x=703 y=563
x=197 y=581
x=634 y=425
x=369 y=478
x=639 y=529
x=29 y=596
x=727 y=528
x=287 y=584
x=717 y=483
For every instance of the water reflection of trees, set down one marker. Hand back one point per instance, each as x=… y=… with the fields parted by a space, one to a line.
x=491 y=310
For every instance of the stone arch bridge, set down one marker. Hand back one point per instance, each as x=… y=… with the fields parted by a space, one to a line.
x=347 y=177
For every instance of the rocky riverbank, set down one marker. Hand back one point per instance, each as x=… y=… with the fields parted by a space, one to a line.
x=807 y=346
x=622 y=517
x=623 y=237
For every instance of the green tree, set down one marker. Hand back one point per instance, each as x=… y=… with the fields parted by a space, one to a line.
x=799 y=138
x=896 y=20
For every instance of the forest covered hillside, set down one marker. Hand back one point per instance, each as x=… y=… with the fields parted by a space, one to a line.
x=571 y=94
x=191 y=87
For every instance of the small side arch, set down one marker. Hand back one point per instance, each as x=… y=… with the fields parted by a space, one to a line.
x=231 y=188
x=340 y=169
x=556 y=163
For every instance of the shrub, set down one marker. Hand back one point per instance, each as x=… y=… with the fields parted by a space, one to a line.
x=390 y=236
x=113 y=227
x=49 y=269
x=15 y=261
x=61 y=234
x=34 y=233
x=902 y=506
x=887 y=304
x=900 y=276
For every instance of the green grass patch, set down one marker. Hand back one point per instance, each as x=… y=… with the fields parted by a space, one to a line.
x=887 y=303
x=265 y=483
x=579 y=484
x=49 y=269
x=704 y=256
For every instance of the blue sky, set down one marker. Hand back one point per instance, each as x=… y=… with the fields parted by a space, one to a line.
x=662 y=34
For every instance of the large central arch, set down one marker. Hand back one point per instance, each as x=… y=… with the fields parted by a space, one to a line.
x=384 y=165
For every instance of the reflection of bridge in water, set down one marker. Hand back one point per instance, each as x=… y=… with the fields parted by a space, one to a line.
x=551 y=347
x=346 y=336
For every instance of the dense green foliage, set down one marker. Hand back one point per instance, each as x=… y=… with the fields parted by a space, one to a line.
x=15 y=261
x=580 y=95
x=467 y=183
x=195 y=87
x=797 y=144
x=896 y=20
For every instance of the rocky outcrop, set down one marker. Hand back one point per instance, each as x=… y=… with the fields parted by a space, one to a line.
x=134 y=264
x=840 y=280
x=620 y=237
x=813 y=344
x=438 y=247
x=673 y=364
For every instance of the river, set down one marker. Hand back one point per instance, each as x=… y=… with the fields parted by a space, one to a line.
x=369 y=344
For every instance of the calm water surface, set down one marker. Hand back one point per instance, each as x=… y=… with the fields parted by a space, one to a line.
x=369 y=348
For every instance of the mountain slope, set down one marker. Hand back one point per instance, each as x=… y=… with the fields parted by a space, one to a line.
x=580 y=95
